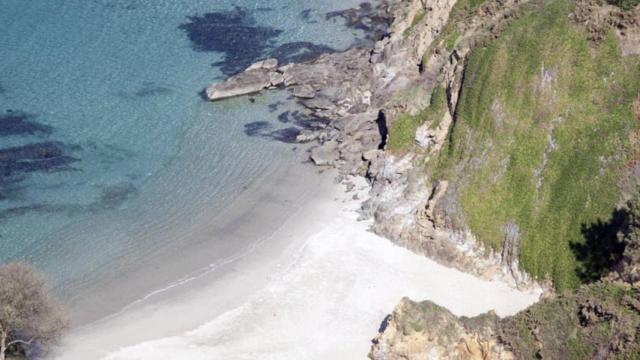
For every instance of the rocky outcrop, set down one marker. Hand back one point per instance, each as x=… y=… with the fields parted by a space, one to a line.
x=259 y=76
x=599 y=321
x=416 y=331
x=412 y=209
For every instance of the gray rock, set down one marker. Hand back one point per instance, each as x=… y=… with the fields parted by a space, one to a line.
x=276 y=78
x=371 y=154
x=242 y=84
x=325 y=154
x=268 y=64
x=304 y=92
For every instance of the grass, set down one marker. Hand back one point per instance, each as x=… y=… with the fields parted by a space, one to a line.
x=402 y=132
x=540 y=136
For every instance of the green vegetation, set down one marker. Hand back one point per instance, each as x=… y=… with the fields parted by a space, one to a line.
x=416 y=20
x=624 y=4
x=598 y=319
x=540 y=137
x=402 y=132
x=451 y=39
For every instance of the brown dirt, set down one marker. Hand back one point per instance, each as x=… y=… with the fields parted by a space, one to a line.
x=600 y=18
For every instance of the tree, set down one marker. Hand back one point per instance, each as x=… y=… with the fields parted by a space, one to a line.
x=29 y=317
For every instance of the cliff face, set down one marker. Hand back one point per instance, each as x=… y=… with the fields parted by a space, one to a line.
x=527 y=147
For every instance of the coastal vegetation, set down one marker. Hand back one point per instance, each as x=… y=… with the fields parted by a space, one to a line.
x=542 y=138
x=624 y=4
x=596 y=321
x=600 y=318
x=30 y=320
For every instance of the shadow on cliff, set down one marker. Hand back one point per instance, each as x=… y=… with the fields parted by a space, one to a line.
x=601 y=248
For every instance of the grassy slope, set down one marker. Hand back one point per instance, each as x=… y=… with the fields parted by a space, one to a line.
x=546 y=154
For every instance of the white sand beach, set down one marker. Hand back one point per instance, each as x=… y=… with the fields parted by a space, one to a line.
x=316 y=288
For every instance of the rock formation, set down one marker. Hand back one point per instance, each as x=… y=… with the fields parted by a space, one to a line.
x=599 y=321
x=360 y=91
x=425 y=330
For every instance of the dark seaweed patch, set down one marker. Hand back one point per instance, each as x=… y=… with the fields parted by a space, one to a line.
x=299 y=51
x=308 y=122
x=68 y=209
x=114 y=195
x=233 y=33
x=147 y=89
x=256 y=128
x=265 y=130
x=46 y=157
x=18 y=161
x=287 y=135
x=299 y=121
x=284 y=117
x=20 y=124
x=242 y=42
x=274 y=106
x=374 y=21
x=111 y=197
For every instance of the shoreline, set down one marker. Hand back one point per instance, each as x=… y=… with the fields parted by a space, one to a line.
x=227 y=234
x=282 y=301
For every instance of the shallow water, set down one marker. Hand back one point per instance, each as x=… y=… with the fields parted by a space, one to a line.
x=105 y=143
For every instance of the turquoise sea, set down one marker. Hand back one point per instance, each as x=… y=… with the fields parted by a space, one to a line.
x=105 y=141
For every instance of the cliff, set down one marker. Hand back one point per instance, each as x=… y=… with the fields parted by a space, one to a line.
x=500 y=137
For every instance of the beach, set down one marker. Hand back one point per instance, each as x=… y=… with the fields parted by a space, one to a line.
x=317 y=287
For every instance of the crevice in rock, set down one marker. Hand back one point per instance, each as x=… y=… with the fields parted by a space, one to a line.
x=382 y=129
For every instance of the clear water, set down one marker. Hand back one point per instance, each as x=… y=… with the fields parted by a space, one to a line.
x=104 y=139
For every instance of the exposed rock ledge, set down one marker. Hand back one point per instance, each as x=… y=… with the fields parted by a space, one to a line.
x=259 y=76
